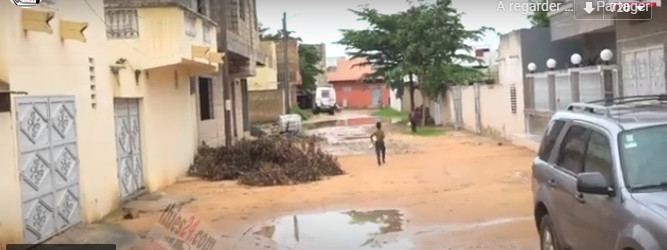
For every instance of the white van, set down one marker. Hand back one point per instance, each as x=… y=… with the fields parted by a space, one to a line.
x=325 y=100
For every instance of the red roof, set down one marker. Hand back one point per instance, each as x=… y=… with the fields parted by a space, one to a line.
x=347 y=71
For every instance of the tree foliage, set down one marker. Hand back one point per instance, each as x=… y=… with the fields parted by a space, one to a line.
x=262 y=31
x=540 y=18
x=443 y=45
x=378 y=46
x=428 y=41
x=309 y=68
x=279 y=35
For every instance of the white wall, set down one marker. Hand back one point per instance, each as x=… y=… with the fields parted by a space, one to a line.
x=394 y=102
x=497 y=118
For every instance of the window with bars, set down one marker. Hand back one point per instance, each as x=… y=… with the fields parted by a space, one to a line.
x=122 y=24
x=190 y=24
x=513 y=98
x=208 y=29
x=201 y=7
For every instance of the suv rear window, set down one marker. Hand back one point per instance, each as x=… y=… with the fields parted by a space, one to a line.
x=550 y=138
x=571 y=152
x=325 y=93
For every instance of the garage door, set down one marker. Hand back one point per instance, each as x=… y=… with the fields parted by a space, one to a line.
x=128 y=147
x=49 y=166
x=644 y=71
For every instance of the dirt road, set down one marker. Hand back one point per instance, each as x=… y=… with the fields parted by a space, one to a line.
x=458 y=192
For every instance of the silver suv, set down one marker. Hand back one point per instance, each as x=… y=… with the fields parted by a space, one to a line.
x=600 y=176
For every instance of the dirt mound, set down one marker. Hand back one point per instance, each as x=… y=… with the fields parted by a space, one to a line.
x=267 y=161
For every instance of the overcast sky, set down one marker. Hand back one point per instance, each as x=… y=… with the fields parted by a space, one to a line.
x=319 y=21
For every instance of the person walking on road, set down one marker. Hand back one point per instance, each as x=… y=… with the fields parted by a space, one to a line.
x=377 y=139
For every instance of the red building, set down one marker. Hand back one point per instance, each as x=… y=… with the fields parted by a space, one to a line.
x=353 y=89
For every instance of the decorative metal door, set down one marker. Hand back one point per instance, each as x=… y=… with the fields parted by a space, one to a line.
x=435 y=110
x=49 y=166
x=643 y=71
x=478 y=110
x=128 y=147
x=458 y=107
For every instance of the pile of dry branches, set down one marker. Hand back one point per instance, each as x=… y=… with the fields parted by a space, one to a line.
x=267 y=161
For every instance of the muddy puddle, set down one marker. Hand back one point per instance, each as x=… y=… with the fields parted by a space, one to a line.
x=359 y=121
x=376 y=229
x=339 y=230
x=351 y=137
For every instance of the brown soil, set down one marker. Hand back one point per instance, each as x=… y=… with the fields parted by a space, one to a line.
x=455 y=179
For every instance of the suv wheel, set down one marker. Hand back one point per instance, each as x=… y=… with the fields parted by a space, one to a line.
x=549 y=239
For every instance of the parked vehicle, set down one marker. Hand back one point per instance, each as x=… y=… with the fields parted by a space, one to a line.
x=599 y=180
x=325 y=100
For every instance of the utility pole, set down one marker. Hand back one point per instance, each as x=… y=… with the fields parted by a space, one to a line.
x=286 y=81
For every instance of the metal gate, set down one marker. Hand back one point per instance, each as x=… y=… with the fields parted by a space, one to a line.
x=128 y=147
x=478 y=110
x=376 y=98
x=436 y=111
x=643 y=71
x=458 y=107
x=49 y=166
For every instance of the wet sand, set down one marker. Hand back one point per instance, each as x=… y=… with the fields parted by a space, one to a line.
x=447 y=192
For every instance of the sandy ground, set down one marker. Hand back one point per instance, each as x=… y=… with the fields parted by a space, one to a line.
x=459 y=192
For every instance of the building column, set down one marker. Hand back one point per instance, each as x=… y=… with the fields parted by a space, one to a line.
x=574 y=85
x=608 y=85
x=551 y=82
x=529 y=92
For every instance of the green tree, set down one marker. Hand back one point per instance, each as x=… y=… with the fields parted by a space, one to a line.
x=378 y=46
x=262 y=30
x=436 y=44
x=309 y=68
x=279 y=35
x=540 y=18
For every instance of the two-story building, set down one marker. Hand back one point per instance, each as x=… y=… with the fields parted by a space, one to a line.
x=96 y=106
x=636 y=40
x=238 y=39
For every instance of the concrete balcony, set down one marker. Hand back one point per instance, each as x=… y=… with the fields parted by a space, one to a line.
x=163 y=34
x=262 y=58
x=564 y=25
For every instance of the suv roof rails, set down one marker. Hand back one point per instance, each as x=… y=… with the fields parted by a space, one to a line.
x=591 y=108
x=604 y=106
x=630 y=99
